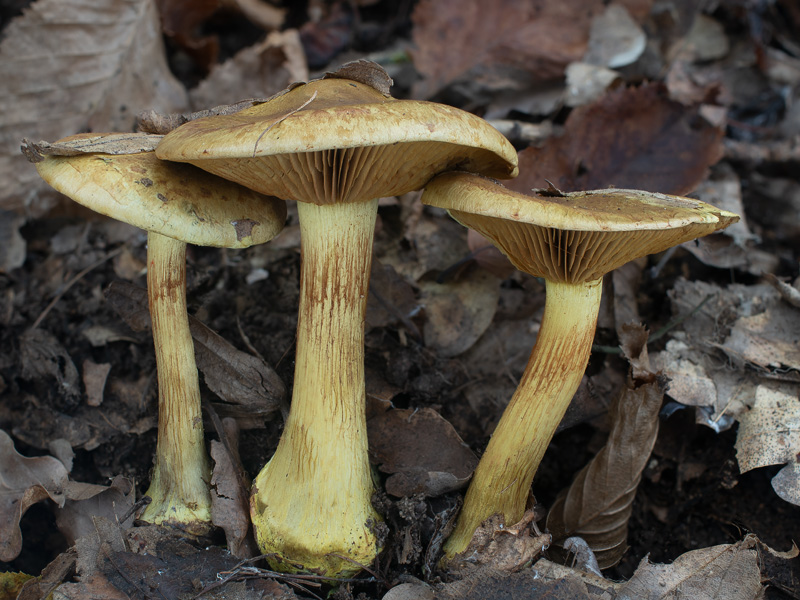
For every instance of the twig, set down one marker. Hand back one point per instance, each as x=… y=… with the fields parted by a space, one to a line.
x=659 y=333
x=72 y=282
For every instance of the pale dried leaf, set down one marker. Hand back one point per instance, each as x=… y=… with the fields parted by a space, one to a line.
x=725 y=572
x=615 y=39
x=457 y=313
x=787 y=482
x=598 y=503
x=24 y=482
x=767 y=340
x=73 y=65
x=94 y=381
x=257 y=71
x=769 y=434
x=94 y=587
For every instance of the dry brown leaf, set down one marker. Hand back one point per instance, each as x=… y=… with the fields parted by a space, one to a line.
x=85 y=501
x=498 y=44
x=53 y=575
x=250 y=386
x=630 y=138
x=230 y=501
x=725 y=572
x=598 y=503
x=24 y=482
x=257 y=71
x=69 y=66
x=421 y=450
x=524 y=585
x=458 y=313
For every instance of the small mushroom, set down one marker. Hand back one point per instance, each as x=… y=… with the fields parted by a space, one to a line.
x=571 y=240
x=335 y=145
x=176 y=204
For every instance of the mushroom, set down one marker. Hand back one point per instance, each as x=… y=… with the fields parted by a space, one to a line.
x=176 y=204
x=335 y=145
x=571 y=240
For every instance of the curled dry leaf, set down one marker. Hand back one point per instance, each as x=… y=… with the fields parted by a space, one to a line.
x=630 y=138
x=24 y=482
x=68 y=66
x=598 y=503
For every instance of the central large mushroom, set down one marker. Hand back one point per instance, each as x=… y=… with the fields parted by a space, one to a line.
x=570 y=240
x=335 y=145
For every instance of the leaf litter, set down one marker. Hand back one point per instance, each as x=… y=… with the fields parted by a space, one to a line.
x=726 y=359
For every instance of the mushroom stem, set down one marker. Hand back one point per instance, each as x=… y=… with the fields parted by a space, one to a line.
x=501 y=483
x=179 y=487
x=311 y=502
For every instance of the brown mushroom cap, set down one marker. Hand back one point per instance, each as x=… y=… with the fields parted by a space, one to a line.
x=339 y=140
x=178 y=201
x=574 y=237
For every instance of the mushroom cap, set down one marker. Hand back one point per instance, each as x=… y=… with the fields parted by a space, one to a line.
x=573 y=237
x=339 y=140
x=175 y=200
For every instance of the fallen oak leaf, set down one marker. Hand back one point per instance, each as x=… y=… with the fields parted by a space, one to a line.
x=24 y=482
x=598 y=503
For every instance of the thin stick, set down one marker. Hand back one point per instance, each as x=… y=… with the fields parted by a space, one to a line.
x=72 y=282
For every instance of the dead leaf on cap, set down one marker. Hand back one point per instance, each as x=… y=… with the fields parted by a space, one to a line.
x=630 y=138
x=24 y=482
x=728 y=571
x=421 y=450
x=104 y=143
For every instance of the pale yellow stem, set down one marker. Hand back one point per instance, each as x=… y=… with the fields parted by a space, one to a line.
x=179 y=486
x=311 y=502
x=501 y=483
